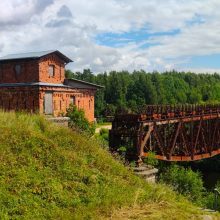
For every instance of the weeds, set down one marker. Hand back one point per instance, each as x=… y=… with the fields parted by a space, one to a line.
x=50 y=172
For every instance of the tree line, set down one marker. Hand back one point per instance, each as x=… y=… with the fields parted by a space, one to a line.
x=125 y=91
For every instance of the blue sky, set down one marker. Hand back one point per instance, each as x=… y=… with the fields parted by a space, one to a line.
x=206 y=61
x=117 y=34
x=141 y=37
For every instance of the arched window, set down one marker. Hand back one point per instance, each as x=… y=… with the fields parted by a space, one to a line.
x=51 y=70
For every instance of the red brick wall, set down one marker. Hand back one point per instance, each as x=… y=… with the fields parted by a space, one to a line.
x=19 y=99
x=86 y=102
x=32 y=98
x=84 y=99
x=59 y=69
x=28 y=73
x=33 y=70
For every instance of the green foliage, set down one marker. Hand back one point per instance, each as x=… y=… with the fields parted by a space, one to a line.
x=184 y=181
x=110 y=110
x=78 y=120
x=130 y=91
x=122 y=149
x=217 y=186
x=210 y=200
x=52 y=172
x=104 y=134
x=151 y=159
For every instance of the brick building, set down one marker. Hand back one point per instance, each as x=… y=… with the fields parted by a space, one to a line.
x=35 y=82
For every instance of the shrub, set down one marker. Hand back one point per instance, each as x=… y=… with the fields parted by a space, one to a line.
x=151 y=159
x=210 y=199
x=102 y=138
x=184 y=181
x=104 y=134
x=78 y=120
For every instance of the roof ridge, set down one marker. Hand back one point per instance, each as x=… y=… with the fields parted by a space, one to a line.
x=34 y=55
x=42 y=51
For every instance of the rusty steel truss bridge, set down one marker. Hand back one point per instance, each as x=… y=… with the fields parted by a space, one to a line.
x=173 y=133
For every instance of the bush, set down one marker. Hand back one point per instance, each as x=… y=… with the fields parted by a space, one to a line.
x=210 y=199
x=184 y=181
x=104 y=133
x=78 y=120
x=102 y=137
x=151 y=159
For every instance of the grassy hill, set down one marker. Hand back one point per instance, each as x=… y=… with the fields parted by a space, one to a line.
x=49 y=172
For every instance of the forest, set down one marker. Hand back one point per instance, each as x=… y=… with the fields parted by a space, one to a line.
x=125 y=91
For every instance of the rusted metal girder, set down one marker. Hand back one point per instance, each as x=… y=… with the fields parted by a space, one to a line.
x=175 y=133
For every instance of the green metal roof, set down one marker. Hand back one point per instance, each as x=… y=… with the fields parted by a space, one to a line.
x=34 y=55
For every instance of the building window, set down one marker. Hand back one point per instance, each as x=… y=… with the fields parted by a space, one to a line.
x=60 y=104
x=51 y=70
x=1 y=72
x=72 y=100
x=60 y=72
x=17 y=70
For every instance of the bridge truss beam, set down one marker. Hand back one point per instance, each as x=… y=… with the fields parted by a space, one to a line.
x=173 y=135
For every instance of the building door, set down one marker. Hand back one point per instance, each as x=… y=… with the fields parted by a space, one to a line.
x=48 y=103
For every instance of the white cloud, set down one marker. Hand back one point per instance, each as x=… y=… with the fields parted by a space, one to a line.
x=71 y=26
x=17 y=12
x=200 y=70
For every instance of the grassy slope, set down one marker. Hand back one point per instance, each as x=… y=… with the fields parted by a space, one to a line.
x=48 y=172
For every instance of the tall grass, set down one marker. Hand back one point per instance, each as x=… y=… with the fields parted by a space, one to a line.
x=51 y=172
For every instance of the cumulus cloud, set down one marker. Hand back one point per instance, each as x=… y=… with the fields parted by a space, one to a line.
x=58 y=23
x=1 y=47
x=18 y=12
x=72 y=27
x=64 y=12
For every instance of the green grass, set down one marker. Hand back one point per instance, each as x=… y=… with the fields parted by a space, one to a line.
x=101 y=124
x=50 y=172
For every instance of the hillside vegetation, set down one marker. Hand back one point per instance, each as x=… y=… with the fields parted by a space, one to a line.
x=49 y=172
